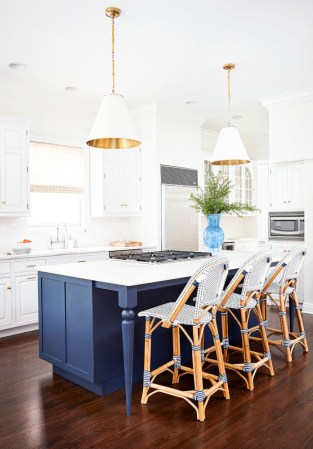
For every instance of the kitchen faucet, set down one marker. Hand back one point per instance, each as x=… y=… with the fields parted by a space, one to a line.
x=58 y=241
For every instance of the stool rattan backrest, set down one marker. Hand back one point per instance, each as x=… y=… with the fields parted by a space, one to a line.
x=288 y=268
x=209 y=279
x=251 y=275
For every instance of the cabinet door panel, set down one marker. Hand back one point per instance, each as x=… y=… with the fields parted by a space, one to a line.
x=130 y=189
x=112 y=189
x=5 y=302
x=296 y=187
x=26 y=297
x=279 y=187
x=115 y=192
x=79 y=346
x=52 y=318
x=262 y=201
x=14 y=183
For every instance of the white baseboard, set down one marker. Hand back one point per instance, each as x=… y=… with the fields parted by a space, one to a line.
x=19 y=330
x=307 y=308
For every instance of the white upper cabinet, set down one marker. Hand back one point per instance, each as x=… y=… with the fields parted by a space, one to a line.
x=14 y=184
x=114 y=182
x=286 y=186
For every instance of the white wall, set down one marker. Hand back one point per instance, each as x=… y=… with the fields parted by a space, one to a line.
x=290 y=126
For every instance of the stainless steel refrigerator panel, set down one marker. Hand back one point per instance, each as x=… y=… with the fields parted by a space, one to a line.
x=179 y=220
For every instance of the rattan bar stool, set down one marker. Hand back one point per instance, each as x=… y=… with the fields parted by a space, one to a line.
x=250 y=277
x=282 y=282
x=209 y=281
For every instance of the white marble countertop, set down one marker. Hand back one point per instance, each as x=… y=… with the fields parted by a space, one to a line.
x=128 y=273
x=68 y=251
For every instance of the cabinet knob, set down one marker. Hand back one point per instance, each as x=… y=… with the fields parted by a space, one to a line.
x=3 y=202
x=289 y=201
x=285 y=201
x=9 y=287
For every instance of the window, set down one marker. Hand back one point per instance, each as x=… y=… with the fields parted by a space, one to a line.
x=240 y=177
x=57 y=184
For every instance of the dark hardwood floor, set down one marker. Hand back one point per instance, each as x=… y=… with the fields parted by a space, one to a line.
x=39 y=410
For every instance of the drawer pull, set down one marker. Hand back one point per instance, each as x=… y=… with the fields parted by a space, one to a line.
x=9 y=287
x=31 y=266
x=32 y=277
x=81 y=261
x=3 y=202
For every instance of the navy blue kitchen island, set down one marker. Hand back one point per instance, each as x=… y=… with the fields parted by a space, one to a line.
x=88 y=325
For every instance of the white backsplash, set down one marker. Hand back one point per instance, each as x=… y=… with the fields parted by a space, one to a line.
x=97 y=232
x=237 y=227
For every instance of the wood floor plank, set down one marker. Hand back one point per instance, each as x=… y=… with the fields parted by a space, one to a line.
x=40 y=410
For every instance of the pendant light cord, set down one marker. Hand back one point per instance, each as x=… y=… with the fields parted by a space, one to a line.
x=113 y=65
x=228 y=97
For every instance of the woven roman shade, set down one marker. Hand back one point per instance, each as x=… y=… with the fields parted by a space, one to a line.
x=56 y=168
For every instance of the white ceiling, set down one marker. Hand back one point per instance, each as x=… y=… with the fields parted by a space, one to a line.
x=167 y=51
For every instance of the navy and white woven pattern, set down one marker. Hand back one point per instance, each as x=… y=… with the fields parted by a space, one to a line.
x=234 y=302
x=185 y=316
x=292 y=264
x=210 y=279
x=274 y=289
x=255 y=270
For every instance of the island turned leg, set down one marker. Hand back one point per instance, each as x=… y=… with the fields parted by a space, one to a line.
x=128 y=326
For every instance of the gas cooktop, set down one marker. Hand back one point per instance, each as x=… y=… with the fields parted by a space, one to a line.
x=161 y=256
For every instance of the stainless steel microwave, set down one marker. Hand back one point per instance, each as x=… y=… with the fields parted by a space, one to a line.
x=286 y=225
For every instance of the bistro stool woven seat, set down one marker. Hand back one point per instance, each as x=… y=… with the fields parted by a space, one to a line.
x=250 y=277
x=282 y=281
x=209 y=281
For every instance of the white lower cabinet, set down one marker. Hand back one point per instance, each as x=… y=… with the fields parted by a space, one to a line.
x=19 y=289
x=5 y=301
x=26 y=299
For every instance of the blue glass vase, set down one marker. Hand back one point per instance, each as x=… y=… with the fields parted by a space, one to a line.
x=213 y=235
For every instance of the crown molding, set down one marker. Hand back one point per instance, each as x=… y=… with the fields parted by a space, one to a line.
x=296 y=97
x=210 y=134
x=16 y=121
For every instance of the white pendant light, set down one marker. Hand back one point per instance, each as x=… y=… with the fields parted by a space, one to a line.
x=113 y=127
x=229 y=149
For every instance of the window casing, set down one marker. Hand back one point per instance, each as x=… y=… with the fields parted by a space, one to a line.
x=240 y=177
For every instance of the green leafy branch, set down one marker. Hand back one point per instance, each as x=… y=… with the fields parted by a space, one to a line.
x=213 y=200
